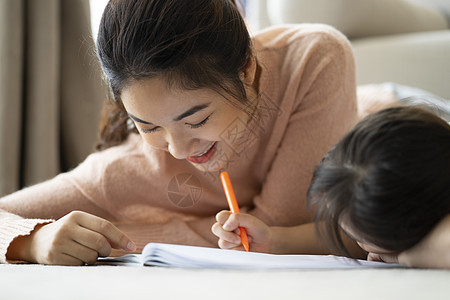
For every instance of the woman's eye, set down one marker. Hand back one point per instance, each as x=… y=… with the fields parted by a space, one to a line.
x=198 y=125
x=144 y=130
x=193 y=126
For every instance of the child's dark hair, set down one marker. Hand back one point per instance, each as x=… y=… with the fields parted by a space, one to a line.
x=191 y=44
x=388 y=179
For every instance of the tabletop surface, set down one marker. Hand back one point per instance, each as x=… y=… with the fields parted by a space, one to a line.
x=30 y=281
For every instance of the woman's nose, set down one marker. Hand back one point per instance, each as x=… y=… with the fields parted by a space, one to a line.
x=176 y=152
x=181 y=147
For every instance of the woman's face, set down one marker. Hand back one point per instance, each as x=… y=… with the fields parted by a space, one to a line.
x=190 y=124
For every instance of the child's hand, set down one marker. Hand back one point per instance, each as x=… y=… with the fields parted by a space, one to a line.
x=391 y=258
x=433 y=251
x=75 y=239
x=227 y=230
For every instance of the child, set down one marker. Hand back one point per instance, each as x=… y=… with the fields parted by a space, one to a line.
x=386 y=184
x=192 y=93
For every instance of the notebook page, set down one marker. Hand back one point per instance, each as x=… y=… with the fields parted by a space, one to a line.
x=169 y=255
x=124 y=260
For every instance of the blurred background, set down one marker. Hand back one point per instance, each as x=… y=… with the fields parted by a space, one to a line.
x=51 y=87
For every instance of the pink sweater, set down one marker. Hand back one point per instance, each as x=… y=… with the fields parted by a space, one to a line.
x=307 y=102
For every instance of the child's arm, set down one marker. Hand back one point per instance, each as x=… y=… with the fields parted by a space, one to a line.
x=301 y=239
x=262 y=238
x=432 y=252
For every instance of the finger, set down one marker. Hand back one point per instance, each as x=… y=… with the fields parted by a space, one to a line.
x=68 y=260
x=116 y=238
x=60 y=256
x=238 y=248
x=62 y=259
x=373 y=257
x=222 y=216
x=227 y=245
x=80 y=252
x=215 y=228
x=93 y=240
x=387 y=258
x=252 y=224
x=227 y=236
x=238 y=220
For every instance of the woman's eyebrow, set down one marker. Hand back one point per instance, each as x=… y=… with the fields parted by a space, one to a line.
x=187 y=113
x=191 y=111
x=136 y=119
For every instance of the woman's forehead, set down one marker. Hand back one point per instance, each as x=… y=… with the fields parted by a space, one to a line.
x=151 y=100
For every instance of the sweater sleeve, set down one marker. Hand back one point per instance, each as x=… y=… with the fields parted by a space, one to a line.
x=322 y=91
x=13 y=226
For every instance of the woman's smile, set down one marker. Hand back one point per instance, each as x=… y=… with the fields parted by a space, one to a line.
x=205 y=156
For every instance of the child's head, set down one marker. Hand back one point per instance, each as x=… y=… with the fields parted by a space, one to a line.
x=387 y=182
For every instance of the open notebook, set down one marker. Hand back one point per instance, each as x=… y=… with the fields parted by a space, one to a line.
x=179 y=256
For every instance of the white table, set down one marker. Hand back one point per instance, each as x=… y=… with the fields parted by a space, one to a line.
x=119 y=282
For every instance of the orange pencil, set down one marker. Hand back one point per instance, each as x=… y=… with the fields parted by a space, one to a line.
x=232 y=203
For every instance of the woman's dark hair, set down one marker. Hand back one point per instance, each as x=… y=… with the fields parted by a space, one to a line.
x=190 y=44
x=388 y=179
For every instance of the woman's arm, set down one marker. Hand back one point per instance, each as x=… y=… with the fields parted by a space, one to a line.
x=52 y=199
x=28 y=211
x=29 y=233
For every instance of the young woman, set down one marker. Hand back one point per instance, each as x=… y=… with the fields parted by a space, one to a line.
x=386 y=184
x=192 y=94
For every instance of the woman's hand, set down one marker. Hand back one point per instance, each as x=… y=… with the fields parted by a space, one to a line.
x=433 y=251
x=227 y=230
x=76 y=239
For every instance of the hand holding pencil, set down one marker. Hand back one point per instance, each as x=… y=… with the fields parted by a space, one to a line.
x=261 y=238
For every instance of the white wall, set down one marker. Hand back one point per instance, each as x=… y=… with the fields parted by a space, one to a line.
x=97 y=7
